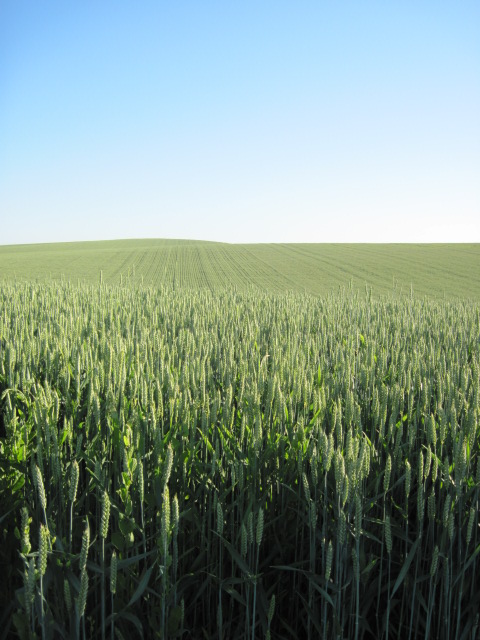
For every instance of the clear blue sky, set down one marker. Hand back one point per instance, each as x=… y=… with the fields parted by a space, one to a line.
x=252 y=121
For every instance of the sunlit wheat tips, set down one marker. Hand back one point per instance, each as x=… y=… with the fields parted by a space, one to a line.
x=85 y=546
x=44 y=541
x=25 y=531
x=74 y=476
x=38 y=480
x=113 y=573
x=105 y=516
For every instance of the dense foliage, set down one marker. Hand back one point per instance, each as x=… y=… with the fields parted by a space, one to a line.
x=180 y=463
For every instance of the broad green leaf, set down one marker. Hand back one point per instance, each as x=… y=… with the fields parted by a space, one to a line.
x=142 y=585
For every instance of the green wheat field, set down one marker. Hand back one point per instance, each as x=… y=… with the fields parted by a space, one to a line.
x=451 y=271
x=204 y=440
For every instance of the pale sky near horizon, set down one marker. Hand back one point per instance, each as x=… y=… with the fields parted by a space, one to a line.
x=255 y=121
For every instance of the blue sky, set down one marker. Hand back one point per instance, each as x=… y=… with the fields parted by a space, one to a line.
x=252 y=121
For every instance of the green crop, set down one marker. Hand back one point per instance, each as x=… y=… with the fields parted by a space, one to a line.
x=434 y=270
x=237 y=462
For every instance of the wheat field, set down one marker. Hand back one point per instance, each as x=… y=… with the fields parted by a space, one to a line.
x=254 y=452
x=440 y=271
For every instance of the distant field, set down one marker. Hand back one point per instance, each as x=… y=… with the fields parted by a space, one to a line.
x=449 y=270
